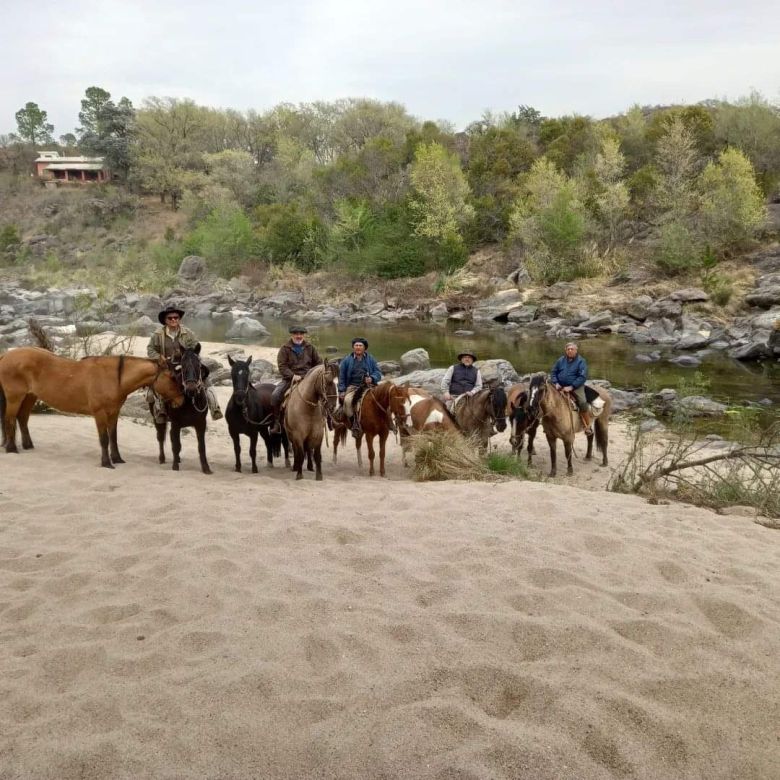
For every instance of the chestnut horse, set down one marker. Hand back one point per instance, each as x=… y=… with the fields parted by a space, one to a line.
x=422 y=412
x=560 y=421
x=97 y=386
x=379 y=407
x=477 y=414
x=310 y=402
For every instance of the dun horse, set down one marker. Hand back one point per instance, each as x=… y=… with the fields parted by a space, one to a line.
x=560 y=421
x=191 y=414
x=97 y=386
x=249 y=412
x=521 y=420
x=477 y=414
x=379 y=406
x=310 y=402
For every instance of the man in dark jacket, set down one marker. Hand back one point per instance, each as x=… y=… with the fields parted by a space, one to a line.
x=464 y=378
x=569 y=374
x=296 y=357
x=357 y=372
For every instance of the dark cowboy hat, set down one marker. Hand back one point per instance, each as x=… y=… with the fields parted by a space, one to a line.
x=469 y=353
x=298 y=329
x=169 y=310
x=360 y=340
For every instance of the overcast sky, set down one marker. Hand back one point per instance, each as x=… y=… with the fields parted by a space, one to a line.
x=448 y=59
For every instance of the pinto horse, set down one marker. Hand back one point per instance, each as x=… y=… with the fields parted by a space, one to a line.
x=379 y=407
x=310 y=403
x=477 y=414
x=249 y=412
x=521 y=419
x=560 y=421
x=97 y=386
x=190 y=414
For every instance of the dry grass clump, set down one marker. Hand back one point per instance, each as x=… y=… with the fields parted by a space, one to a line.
x=440 y=455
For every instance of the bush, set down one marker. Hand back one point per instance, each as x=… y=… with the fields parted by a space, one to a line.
x=224 y=239
x=678 y=249
x=506 y=465
x=289 y=233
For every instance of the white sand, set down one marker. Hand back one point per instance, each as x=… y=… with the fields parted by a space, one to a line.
x=160 y=624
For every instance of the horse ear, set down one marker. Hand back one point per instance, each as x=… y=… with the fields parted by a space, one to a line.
x=231 y=361
x=249 y=362
x=196 y=350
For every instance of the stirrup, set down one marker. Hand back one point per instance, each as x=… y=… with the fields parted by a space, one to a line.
x=276 y=428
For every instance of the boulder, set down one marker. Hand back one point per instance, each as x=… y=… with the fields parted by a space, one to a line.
x=665 y=308
x=415 y=360
x=389 y=367
x=439 y=311
x=459 y=316
x=150 y=305
x=689 y=295
x=686 y=361
x=498 y=370
x=135 y=406
x=523 y=314
x=764 y=297
x=498 y=306
x=766 y=320
x=143 y=326
x=598 y=320
x=624 y=399
x=247 y=328
x=429 y=380
x=192 y=268
x=520 y=277
x=464 y=333
x=695 y=340
x=559 y=291
x=758 y=348
x=699 y=406
x=639 y=307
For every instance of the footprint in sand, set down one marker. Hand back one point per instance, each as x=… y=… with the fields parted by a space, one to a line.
x=671 y=572
x=602 y=546
x=606 y=753
x=202 y=641
x=727 y=618
x=322 y=653
x=112 y=613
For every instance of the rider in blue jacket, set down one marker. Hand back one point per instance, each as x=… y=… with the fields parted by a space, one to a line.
x=357 y=372
x=569 y=374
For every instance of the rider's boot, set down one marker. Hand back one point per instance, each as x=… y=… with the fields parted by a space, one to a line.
x=586 y=418
x=276 y=425
x=356 y=429
x=211 y=397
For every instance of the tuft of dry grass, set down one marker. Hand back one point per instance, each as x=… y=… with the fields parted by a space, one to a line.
x=440 y=455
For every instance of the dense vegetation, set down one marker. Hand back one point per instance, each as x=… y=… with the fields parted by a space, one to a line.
x=365 y=188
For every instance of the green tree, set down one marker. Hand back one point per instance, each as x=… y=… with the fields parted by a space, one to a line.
x=68 y=139
x=440 y=192
x=33 y=126
x=732 y=204
x=611 y=198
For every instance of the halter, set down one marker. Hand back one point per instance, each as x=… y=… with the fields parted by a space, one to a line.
x=200 y=389
x=320 y=387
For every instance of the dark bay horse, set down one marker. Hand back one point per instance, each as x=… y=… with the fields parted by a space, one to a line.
x=249 y=413
x=477 y=414
x=310 y=402
x=190 y=414
x=560 y=421
x=97 y=386
x=379 y=408
x=521 y=419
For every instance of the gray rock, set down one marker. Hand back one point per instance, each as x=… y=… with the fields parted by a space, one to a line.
x=415 y=360
x=523 y=314
x=389 y=367
x=639 y=307
x=764 y=297
x=686 y=361
x=520 y=277
x=464 y=333
x=699 y=406
x=439 y=311
x=624 y=399
x=142 y=326
x=498 y=370
x=766 y=320
x=135 y=406
x=247 y=328
x=647 y=426
x=429 y=380
x=689 y=295
x=692 y=341
x=758 y=348
x=498 y=306
x=665 y=308
x=647 y=357
x=598 y=320
x=192 y=268
x=559 y=291
x=459 y=316
x=150 y=305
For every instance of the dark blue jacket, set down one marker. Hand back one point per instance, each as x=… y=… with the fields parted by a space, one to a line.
x=345 y=369
x=570 y=372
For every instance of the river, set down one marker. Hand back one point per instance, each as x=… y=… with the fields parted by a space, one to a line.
x=609 y=357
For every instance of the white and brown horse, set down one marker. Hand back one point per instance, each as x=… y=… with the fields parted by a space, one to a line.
x=420 y=411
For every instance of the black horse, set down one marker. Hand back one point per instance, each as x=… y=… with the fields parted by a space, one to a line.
x=249 y=412
x=191 y=414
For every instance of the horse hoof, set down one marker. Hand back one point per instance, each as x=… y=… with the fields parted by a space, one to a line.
x=117 y=460
x=175 y=467
x=237 y=468
x=207 y=470
x=569 y=472
x=27 y=445
x=161 y=459
x=254 y=469
x=318 y=478
x=107 y=465
x=299 y=476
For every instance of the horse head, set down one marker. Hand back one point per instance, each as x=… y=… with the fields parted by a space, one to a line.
x=498 y=407
x=396 y=400
x=190 y=367
x=240 y=375
x=166 y=385
x=536 y=391
x=330 y=390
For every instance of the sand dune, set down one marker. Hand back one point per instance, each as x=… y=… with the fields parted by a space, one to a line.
x=155 y=624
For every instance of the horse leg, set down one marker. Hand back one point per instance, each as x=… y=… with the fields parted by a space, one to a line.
x=176 y=445
x=370 y=447
x=9 y=424
x=552 y=441
x=113 y=423
x=318 y=462
x=589 y=453
x=382 y=443
x=359 y=451
x=102 y=423
x=286 y=446
x=236 y=449
x=298 y=455
x=568 y=446
x=253 y=450
x=309 y=462
x=531 y=437
x=23 y=416
x=200 y=430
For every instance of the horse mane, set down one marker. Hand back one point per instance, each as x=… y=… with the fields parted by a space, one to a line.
x=447 y=412
x=120 y=369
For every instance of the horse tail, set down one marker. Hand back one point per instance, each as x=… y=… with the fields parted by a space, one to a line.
x=601 y=427
x=340 y=435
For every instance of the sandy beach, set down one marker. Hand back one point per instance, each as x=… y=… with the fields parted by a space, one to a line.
x=174 y=625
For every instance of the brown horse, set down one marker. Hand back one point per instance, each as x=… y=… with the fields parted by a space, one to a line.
x=379 y=406
x=477 y=414
x=560 y=421
x=94 y=385
x=521 y=421
x=310 y=403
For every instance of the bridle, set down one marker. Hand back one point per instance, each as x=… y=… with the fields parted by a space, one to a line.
x=200 y=386
x=320 y=393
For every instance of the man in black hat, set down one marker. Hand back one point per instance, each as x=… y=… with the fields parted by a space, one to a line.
x=464 y=378
x=295 y=359
x=357 y=372
x=169 y=342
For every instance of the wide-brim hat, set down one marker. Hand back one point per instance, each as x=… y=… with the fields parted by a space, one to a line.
x=469 y=353
x=360 y=340
x=169 y=310
x=298 y=329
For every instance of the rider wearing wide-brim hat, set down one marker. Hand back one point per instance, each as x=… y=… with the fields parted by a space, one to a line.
x=462 y=378
x=357 y=372
x=296 y=357
x=169 y=342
